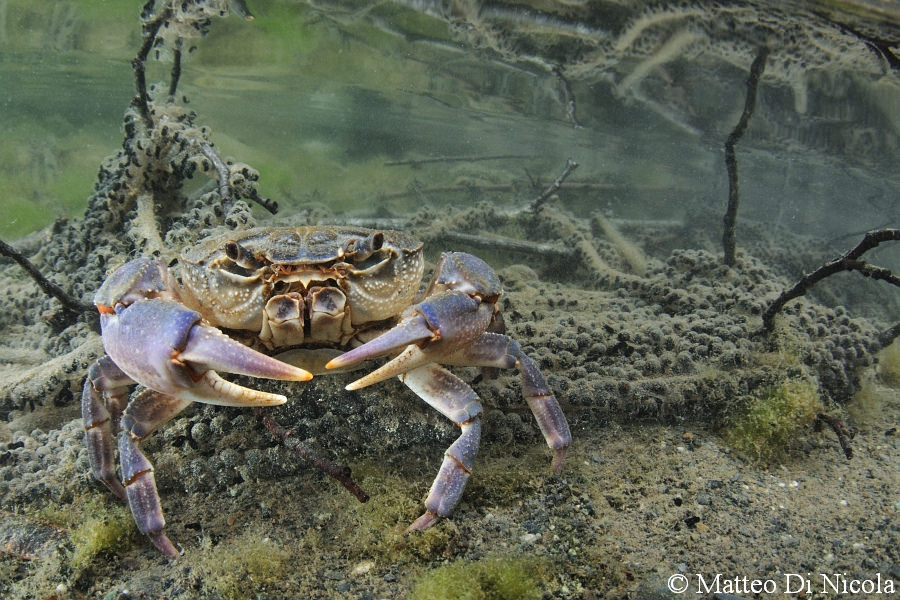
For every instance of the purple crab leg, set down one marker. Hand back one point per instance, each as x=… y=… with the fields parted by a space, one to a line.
x=102 y=400
x=498 y=350
x=454 y=399
x=143 y=499
x=147 y=412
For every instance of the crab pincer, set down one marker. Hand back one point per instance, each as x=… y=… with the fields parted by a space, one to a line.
x=152 y=339
x=162 y=344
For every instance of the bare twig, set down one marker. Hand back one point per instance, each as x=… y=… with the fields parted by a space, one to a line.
x=848 y=262
x=568 y=97
x=470 y=188
x=49 y=288
x=240 y=7
x=402 y=223
x=222 y=169
x=267 y=203
x=844 y=432
x=728 y=237
x=338 y=472
x=176 y=70
x=415 y=190
x=139 y=62
x=415 y=162
x=539 y=202
x=493 y=242
x=224 y=173
x=887 y=337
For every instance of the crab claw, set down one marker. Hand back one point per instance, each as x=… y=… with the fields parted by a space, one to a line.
x=411 y=331
x=164 y=345
x=432 y=329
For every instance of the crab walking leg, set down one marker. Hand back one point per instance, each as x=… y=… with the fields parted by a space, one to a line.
x=454 y=399
x=102 y=400
x=498 y=350
x=147 y=412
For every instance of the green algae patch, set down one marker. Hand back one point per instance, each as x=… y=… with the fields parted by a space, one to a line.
x=889 y=365
x=96 y=528
x=243 y=566
x=492 y=578
x=378 y=528
x=774 y=420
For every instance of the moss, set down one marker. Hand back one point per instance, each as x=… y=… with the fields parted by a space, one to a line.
x=377 y=529
x=889 y=365
x=496 y=578
x=787 y=345
x=103 y=533
x=773 y=420
x=244 y=565
x=96 y=527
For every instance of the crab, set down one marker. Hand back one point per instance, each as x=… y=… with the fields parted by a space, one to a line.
x=348 y=291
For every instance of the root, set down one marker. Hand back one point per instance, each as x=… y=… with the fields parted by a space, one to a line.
x=566 y=230
x=43 y=379
x=630 y=253
x=145 y=231
x=728 y=237
x=847 y=262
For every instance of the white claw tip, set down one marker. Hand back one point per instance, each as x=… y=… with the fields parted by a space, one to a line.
x=303 y=376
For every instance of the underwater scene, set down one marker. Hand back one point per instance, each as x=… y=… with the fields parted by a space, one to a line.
x=448 y=299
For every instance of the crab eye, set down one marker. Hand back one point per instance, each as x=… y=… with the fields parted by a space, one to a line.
x=360 y=250
x=241 y=256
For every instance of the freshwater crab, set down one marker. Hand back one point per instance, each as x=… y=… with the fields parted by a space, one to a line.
x=342 y=288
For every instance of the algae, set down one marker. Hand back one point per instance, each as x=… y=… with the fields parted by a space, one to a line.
x=244 y=564
x=769 y=428
x=96 y=526
x=377 y=529
x=889 y=365
x=494 y=578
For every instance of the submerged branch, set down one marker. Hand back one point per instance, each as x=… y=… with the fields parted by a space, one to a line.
x=568 y=97
x=504 y=244
x=223 y=172
x=844 y=432
x=847 y=262
x=176 y=71
x=415 y=162
x=887 y=337
x=728 y=237
x=221 y=169
x=539 y=202
x=267 y=203
x=139 y=64
x=49 y=288
x=338 y=472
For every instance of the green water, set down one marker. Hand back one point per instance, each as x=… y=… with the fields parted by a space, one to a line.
x=320 y=98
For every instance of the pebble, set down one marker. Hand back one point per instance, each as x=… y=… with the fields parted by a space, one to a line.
x=362 y=568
